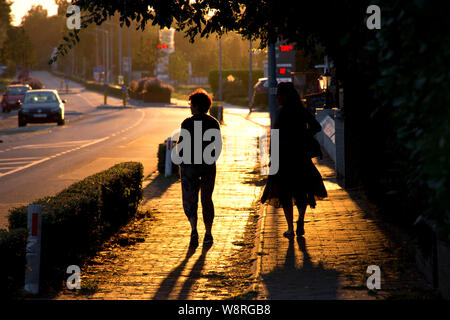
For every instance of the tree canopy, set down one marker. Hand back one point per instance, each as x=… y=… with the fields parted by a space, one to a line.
x=395 y=79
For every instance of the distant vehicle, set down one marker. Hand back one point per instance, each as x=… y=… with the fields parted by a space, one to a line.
x=11 y=96
x=3 y=69
x=41 y=106
x=260 y=95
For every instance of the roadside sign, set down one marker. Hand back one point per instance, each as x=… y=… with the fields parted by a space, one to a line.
x=285 y=57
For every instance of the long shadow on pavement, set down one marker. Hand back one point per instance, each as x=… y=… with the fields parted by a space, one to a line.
x=168 y=284
x=290 y=282
x=194 y=275
x=158 y=186
x=170 y=281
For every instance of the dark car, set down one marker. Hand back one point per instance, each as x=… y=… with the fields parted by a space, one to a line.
x=12 y=95
x=41 y=106
x=260 y=95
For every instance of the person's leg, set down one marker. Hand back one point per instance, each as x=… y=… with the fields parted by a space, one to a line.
x=190 y=185
x=289 y=215
x=207 y=182
x=301 y=218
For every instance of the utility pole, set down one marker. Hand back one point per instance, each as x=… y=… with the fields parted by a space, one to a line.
x=129 y=56
x=250 y=77
x=111 y=52
x=220 y=70
x=272 y=83
x=104 y=55
x=107 y=56
x=120 y=50
x=97 y=57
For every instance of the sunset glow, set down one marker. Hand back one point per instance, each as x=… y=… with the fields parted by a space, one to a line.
x=19 y=8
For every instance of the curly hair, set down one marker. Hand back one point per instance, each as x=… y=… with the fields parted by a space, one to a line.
x=201 y=99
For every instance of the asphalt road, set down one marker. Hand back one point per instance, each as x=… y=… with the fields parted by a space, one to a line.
x=43 y=159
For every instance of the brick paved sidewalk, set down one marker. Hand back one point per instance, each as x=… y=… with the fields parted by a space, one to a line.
x=158 y=264
x=342 y=239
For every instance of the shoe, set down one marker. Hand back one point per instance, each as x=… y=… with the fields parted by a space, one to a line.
x=194 y=239
x=208 y=239
x=300 y=228
x=289 y=234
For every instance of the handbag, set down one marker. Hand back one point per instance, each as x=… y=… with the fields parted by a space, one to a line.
x=313 y=149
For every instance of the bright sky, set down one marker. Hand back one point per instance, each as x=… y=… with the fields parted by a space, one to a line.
x=19 y=8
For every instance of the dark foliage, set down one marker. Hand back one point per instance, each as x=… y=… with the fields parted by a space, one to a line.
x=395 y=82
x=74 y=222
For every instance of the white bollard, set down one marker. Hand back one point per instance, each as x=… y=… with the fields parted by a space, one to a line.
x=33 y=248
x=168 y=164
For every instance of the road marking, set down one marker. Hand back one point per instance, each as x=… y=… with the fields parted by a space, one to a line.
x=92 y=142
x=51 y=157
x=18 y=159
x=13 y=162
x=50 y=145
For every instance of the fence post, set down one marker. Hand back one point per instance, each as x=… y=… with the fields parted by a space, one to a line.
x=168 y=164
x=220 y=114
x=33 y=254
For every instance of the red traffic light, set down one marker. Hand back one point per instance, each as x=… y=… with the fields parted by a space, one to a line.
x=286 y=47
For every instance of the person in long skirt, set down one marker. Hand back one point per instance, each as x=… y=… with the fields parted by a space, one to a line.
x=297 y=181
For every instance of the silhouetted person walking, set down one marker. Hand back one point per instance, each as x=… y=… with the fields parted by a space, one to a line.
x=297 y=180
x=197 y=172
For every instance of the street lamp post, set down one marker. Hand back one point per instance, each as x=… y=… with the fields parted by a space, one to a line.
x=272 y=83
x=220 y=70
x=129 y=56
x=250 y=77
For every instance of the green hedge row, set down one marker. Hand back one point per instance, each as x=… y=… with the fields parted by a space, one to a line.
x=13 y=256
x=241 y=74
x=114 y=90
x=74 y=223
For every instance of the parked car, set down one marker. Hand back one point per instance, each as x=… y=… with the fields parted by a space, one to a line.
x=41 y=106
x=260 y=95
x=11 y=96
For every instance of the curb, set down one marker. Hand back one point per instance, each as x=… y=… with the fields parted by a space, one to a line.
x=245 y=117
x=258 y=249
x=257 y=253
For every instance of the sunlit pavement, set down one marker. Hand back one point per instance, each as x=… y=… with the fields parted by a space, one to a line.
x=330 y=262
x=161 y=266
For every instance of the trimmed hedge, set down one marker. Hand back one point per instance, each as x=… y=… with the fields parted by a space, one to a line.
x=150 y=89
x=13 y=255
x=77 y=220
x=113 y=90
x=240 y=74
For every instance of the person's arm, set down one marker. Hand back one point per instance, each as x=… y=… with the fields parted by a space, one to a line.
x=313 y=125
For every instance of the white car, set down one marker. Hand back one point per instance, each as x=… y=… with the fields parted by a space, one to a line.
x=41 y=106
